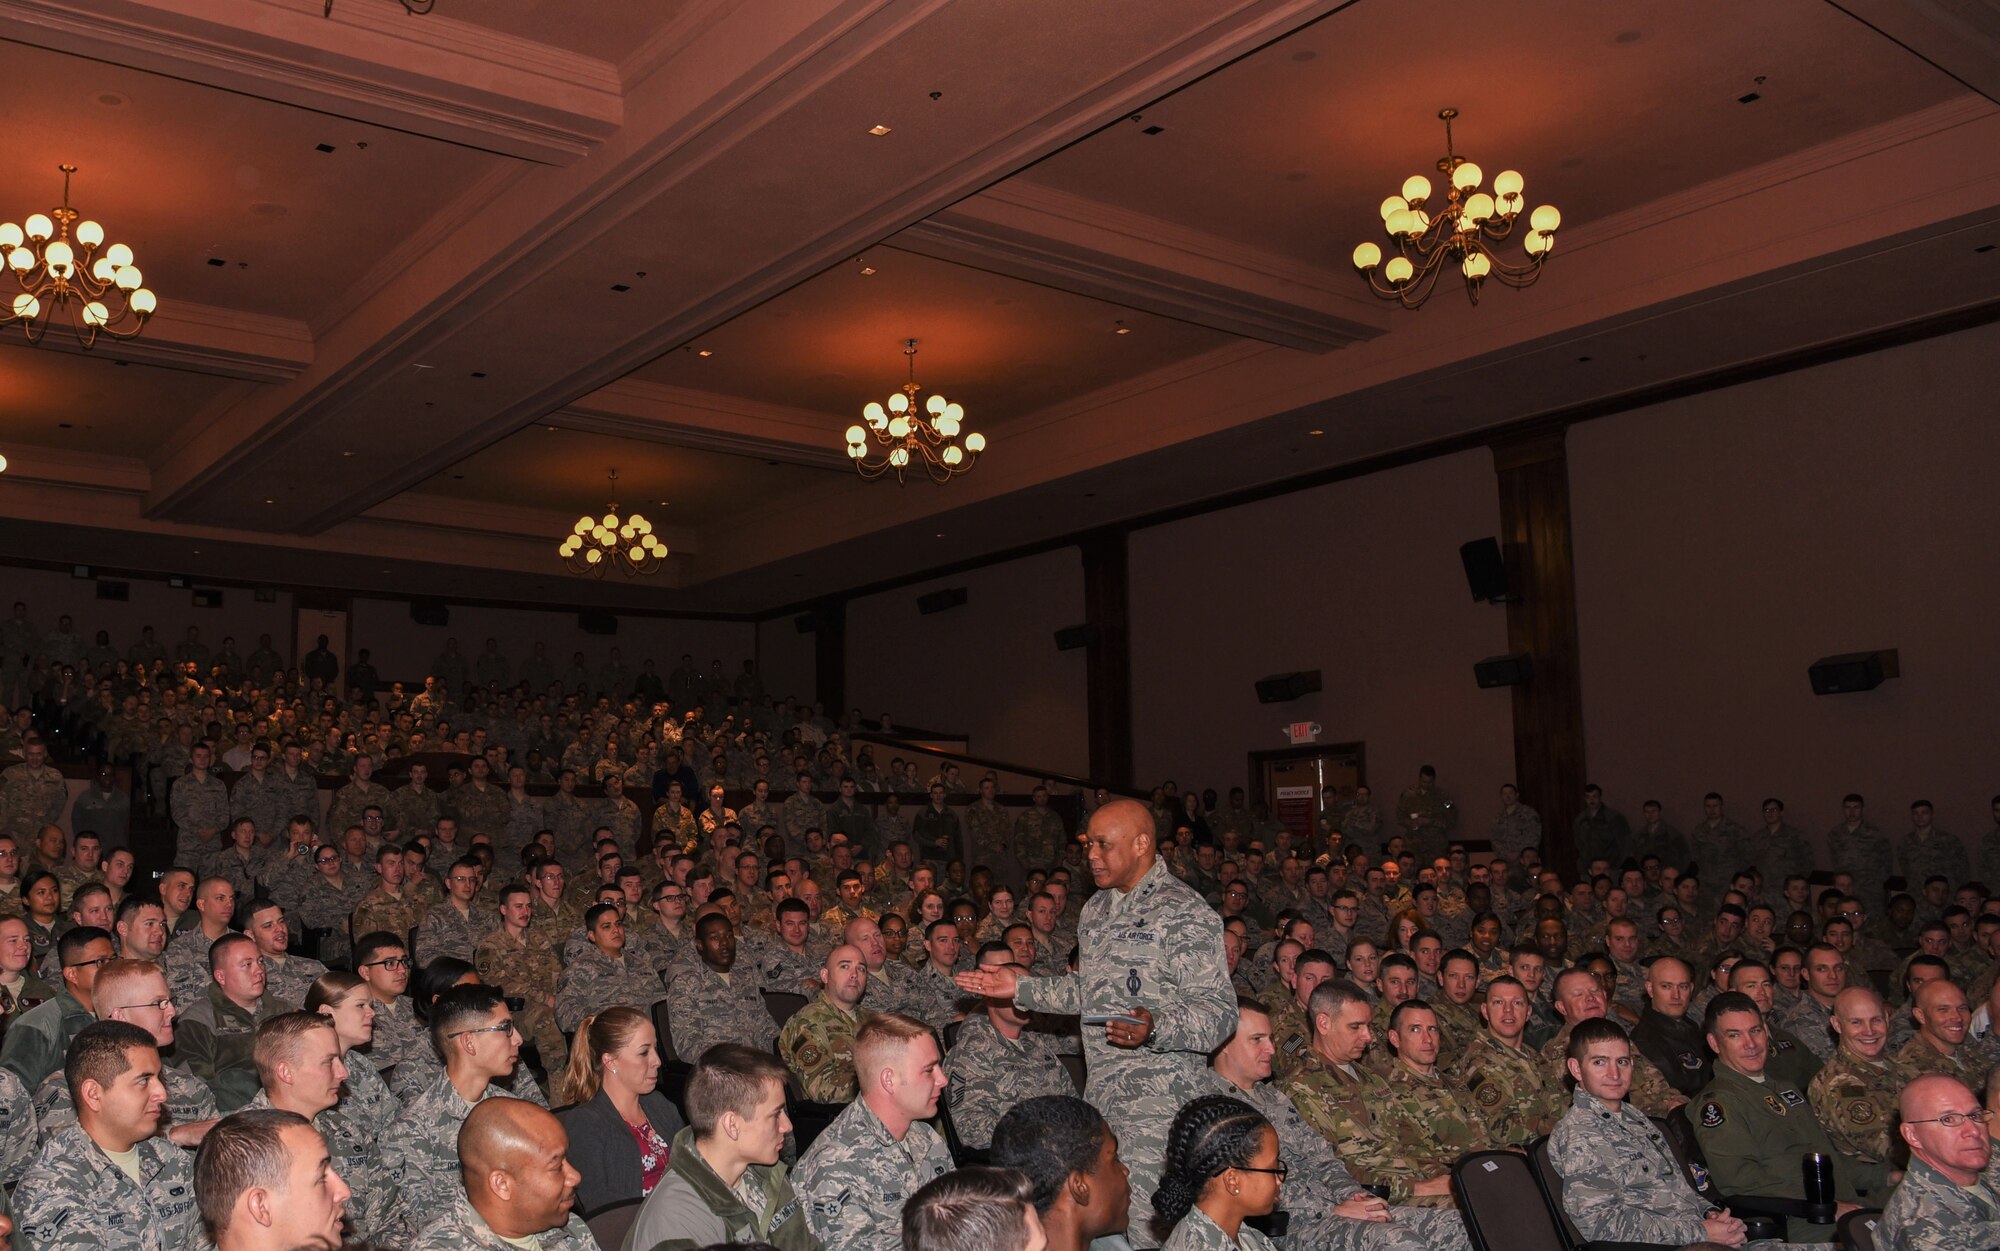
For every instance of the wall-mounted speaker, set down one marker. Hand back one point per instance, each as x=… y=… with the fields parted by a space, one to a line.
x=1485 y=570
x=1282 y=688
x=939 y=601
x=597 y=622
x=1853 y=671
x=1070 y=638
x=206 y=598
x=1504 y=670
x=429 y=613
x=120 y=591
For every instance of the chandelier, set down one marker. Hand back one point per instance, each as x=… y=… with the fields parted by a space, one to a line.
x=906 y=436
x=626 y=544
x=95 y=294
x=1461 y=229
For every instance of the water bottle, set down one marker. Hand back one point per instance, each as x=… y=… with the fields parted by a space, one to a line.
x=1818 y=1170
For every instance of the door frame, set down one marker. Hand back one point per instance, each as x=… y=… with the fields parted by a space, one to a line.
x=1258 y=759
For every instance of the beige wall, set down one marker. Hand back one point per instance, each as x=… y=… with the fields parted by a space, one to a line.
x=169 y=610
x=1726 y=541
x=989 y=669
x=1359 y=579
x=785 y=658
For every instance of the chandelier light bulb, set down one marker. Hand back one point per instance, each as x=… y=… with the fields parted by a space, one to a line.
x=899 y=403
x=899 y=428
x=1416 y=189
x=610 y=521
x=900 y=458
x=95 y=314
x=90 y=234
x=855 y=434
x=1467 y=176
x=40 y=227
x=144 y=302
x=118 y=254
x=1419 y=222
x=21 y=258
x=1538 y=243
x=60 y=257
x=1398 y=269
x=856 y=451
x=1392 y=206
x=1479 y=206
x=1507 y=183
x=11 y=236
x=975 y=443
x=1367 y=256
x=27 y=307
x=1545 y=218
x=1476 y=265
x=585 y=525
x=129 y=278
x=934 y=405
x=953 y=455
x=593 y=556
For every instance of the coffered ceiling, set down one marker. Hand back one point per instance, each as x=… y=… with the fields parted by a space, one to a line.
x=424 y=280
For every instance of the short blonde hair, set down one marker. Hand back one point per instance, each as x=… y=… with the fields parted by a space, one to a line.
x=881 y=1039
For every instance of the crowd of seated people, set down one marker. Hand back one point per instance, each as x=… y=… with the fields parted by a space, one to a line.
x=351 y=1027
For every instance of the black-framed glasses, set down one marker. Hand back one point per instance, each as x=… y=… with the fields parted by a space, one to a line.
x=387 y=962
x=1952 y=1120
x=157 y=1005
x=1281 y=1171
x=504 y=1027
x=333 y=859
x=86 y=964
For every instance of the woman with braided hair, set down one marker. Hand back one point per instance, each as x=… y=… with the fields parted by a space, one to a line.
x=1222 y=1166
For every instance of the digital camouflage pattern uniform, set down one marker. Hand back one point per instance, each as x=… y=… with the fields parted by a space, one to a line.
x=1157 y=946
x=74 y=1198
x=593 y=981
x=198 y=804
x=1038 y=838
x=1510 y=1089
x=20 y=1130
x=1195 y=1232
x=706 y=1008
x=189 y=1101
x=445 y=931
x=31 y=798
x=817 y=1044
x=528 y=969
x=1651 y=1092
x=1319 y=1181
x=375 y=1203
x=856 y=1178
x=1621 y=1182
x=1930 y=1212
x=460 y=1228
x=990 y=1073
x=418 y=1155
x=292 y=979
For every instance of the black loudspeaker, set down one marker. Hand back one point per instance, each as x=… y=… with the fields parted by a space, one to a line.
x=207 y=599
x=806 y=622
x=429 y=614
x=1855 y=671
x=1485 y=570
x=597 y=622
x=1504 y=670
x=938 y=601
x=120 y=591
x=1282 y=688
x=1070 y=638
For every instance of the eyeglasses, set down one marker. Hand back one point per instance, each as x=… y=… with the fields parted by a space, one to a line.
x=87 y=964
x=388 y=962
x=504 y=1027
x=333 y=859
x=1952 y=1120
x=157 y=1005
x=1282 y=1171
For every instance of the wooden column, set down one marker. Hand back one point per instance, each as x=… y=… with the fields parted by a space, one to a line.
x=1107 y=613
x=830 y=656
x=1533 y=473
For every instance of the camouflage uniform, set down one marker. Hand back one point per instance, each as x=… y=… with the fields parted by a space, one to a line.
x=189 y=1101
x=399 y=1036
x=292 y=979
x=1516 y=831
x=1930 y=1212
x=263 y=800
x=198 y=804
x=215 y=1038
x=794 y=972
x=1196 y=1232
x=446 y=931
x=1855 y=1099
x=20 y=1129
x=1039 y=837
x=350 y=799
x=185 y=962
x=569 y=818
x=1458 y=1025
x=1340 y=1102
x=986 y=842
x=299 y=794
x=1621 y=1182
x=933 y=997
x=706 y=1008
x=855 y=1179
x=1934 y=853
x=1319 y=1181
x=480 y=810
x=380 y=909
x=1918 y=1057
x=817 y=1044
x=419 y=1153
x=74 y=1197
x=1509 y=1088
x=412 y=809
x=1427 y=815
x=529 y=969
x=460 y=1228
x=621 y=817
x=1865 y=853
x=326 y=906
x=376 y=1202
x=30 y=798
x=990 y=1073
x=801 y=813
x=1159 y=946
x=593 y=981
x=1651 y=1093
x=36 y=1040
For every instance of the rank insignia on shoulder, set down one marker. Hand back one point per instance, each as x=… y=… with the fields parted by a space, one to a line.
x=1711 y=1114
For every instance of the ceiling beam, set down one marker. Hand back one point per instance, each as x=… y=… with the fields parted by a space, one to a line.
x=453 y=81
x=1960 y=37
x=199 y=338
x=681 y=417
x=776 y=96
x=1090 y=248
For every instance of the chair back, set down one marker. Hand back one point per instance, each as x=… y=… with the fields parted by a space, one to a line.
x=1551 y=1182
x=609 y=1225
x=663 y=1033
x=1503 y=1207
x=1856 y=1231
x=782 y=1004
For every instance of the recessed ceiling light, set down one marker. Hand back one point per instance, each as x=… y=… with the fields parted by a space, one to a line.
x=867 y=271
x=1315 y=432
x=706 y=352
x=347 y=453
x=270 y=501
x=1122 y=328
x=111 y=99
x=550 y=429
x=878 y=130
